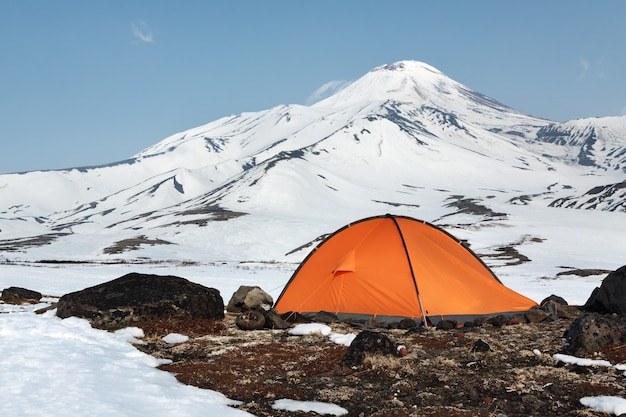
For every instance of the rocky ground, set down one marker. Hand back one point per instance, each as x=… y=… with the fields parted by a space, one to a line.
x=440 y=376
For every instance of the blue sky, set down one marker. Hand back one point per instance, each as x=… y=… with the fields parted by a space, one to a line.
x=92 y=82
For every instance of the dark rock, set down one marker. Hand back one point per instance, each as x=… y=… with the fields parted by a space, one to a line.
x=136 y=298
x=590 y=332
x=537 y=315
x=481 y=346
x=273 y=320
x=516 y=319
x=446 y=324
x=367 y=342
x=46 y=309
x=250 y=320
x=498 y=321
x=326 y=317
x=416 y=330
x=249 y=298
x=17 y=295
x=554 y=298
x=480 y=321
x=293 y=317
x=610 y=297
x=406 y=324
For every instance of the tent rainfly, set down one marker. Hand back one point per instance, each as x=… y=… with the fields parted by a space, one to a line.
x=392 y=267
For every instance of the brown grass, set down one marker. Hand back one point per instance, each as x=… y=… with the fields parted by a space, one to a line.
x=440 y=376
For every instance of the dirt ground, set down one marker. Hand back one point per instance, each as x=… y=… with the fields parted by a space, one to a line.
x=440 y=375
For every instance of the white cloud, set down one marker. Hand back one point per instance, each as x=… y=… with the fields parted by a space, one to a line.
x=596 y=70
x=327 y=90
x=141 y=32
x=584 y=65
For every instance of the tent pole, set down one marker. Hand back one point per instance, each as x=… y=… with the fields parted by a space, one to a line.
x=419 y=299
x=408 y=258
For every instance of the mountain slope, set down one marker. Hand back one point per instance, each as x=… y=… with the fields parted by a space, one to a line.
x=404 y=138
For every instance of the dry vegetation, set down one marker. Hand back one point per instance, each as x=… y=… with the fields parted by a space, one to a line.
x=440 y=376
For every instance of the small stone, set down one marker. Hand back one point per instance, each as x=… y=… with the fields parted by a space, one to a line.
x=480 y=346
x=250 y=320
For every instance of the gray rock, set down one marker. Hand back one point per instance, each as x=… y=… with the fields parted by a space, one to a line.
x=249 y=298
x=136 y=298
x=537 y=315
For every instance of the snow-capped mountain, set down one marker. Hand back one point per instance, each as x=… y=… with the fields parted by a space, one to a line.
x=266 y=185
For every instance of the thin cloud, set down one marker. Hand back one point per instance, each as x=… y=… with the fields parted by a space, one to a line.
x=596 y=70
x=584 y=65
x=141 y=32
x=327 y=90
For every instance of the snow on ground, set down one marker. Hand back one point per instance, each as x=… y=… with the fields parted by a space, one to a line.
x=605 y=404
x=318 y=328
x=49 y=364
x=308 y=406
x=587 y=362
x=52 y=366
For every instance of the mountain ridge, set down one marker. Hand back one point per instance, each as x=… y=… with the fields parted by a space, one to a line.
x=403 y=137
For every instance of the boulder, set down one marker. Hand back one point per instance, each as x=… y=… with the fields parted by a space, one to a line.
x=17 y=295
x=498 y=321
x=446 y=324
x=406 y=324
x=261 y=319
x=610 y=297
x=369 y=342
x=554 y=298
x=273 y=320
x=250 y=320
x=136 y=298
x=249 y=298
x=326 y=317
x=560 y=311
x=537 y=315
x=590 y=332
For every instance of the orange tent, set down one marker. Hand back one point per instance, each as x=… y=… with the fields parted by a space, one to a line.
x=391 y=267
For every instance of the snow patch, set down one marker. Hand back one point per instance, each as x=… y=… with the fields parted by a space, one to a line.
x=51 y=366
x=175 y=338
x=605 y=404
x=309 y=406
x=310 y=328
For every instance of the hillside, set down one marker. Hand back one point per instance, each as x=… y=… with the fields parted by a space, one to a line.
x=267 y=185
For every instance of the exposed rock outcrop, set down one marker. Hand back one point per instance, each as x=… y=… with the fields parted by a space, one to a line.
x=134 y=298
x=17 y=295
x=610 y=297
